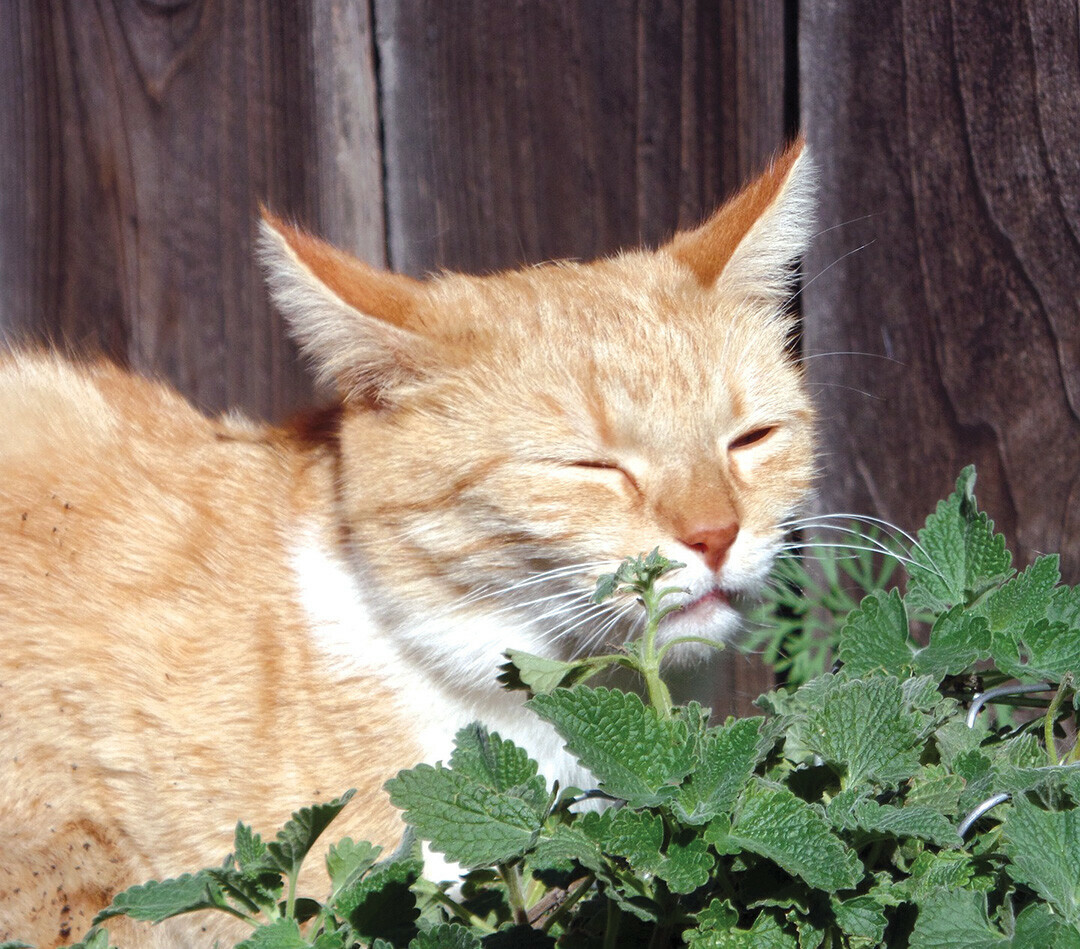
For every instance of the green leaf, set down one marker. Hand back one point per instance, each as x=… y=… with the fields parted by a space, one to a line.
x=773 y=822
x=886 y=820
x=935 y=788
x=162 y=899
x=875 y=637
x=862 y=916
x=280 y=934
x=538 y=674
x=634 y=753
x=712 y=933
x=728 y=757
x=492 y=761
x=347 y=861
x=472 y=824
x=1011 y=606
x=296 y=838
x=249 y=851
x=25 y=945
x=864 y=727
x=687 y=864
x=958 y=556
x=446 y=936
x=382 y=904
x=958 y=640
x=1044 y=650
x=1044 y=853
x=1038 y=928
x=949 y=919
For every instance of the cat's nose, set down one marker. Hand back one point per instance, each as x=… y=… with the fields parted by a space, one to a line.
x=712 y=541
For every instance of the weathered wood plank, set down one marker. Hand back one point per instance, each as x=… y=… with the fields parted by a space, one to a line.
x=138 y=141
x=953 y=127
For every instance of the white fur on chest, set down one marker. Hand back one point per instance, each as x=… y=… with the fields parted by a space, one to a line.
x=443 y=670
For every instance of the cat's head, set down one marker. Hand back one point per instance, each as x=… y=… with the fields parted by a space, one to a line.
x=508 y=438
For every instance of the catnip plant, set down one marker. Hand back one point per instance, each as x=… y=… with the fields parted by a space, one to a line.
x=893 y=800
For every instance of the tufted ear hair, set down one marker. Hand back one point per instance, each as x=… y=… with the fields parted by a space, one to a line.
x=753 y=241
x=361 y=327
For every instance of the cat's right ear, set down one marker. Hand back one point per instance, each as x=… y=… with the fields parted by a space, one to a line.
x=359 y=325
x=751 y=243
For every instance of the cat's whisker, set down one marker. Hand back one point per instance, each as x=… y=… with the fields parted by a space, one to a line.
x=791 y=299
x=820 y=521
x=556 y=573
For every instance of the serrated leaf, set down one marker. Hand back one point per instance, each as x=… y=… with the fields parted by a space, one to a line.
x=863 y=727
x=1044 y=853
x=446 y=936
x=348 y=860
x=952 y=918
x=158 y=900
x=1044 y=650
x=773 y=822
x=280 y=934
x=958 y=640
x=472 y=824
x=686 y=865
x=958 y=555
x=728 y=756
x=382 y=905
x=635 y=754
x=636 y=836
x=862 y=916
x=492 y=761
x=765 y=933
x=875 y=637
x=538 y=674
x=1038 y=928
x=16 y=944
x=566 y=844
x=886 y=820
x=1026 y=595
x=935 y=788
x=299 y=834
x=249 y=851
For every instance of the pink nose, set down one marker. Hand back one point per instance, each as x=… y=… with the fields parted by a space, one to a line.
x=713 y=542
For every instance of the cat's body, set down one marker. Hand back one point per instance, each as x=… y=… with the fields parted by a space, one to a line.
x=204 y=621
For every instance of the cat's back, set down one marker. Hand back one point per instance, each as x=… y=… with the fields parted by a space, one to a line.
x=109 y=486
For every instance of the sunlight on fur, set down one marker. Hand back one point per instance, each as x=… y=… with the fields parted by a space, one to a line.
x=207 y=620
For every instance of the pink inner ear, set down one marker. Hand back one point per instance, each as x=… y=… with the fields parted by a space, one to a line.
x=393 y=298
x=707 y=249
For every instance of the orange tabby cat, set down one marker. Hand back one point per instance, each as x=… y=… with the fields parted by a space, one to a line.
x=205 y=620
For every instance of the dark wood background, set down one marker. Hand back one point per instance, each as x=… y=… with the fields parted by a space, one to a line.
x=137 y=136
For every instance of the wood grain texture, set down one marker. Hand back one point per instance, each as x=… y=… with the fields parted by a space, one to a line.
x=517 y=132
x=138 y=138
x=520 y=132
x=948 y=137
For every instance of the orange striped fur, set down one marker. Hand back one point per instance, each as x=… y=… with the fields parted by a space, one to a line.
x=212 y=620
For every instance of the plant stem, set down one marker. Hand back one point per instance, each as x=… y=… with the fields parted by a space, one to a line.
x=511 y=876
x=1051 y=718
x=572 y=898
x=611 y=927
x=290 y=900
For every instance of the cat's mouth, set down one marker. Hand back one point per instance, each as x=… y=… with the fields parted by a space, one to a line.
x=708 y=601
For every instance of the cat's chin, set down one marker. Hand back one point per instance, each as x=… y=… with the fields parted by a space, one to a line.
x=712 y=615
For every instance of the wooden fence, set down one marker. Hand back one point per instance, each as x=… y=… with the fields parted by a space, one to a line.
x=137 y=136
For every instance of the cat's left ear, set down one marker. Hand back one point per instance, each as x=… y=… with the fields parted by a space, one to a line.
x=754 y=240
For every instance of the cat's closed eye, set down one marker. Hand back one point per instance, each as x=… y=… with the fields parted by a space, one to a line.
x=755 y=436
x=608 y=466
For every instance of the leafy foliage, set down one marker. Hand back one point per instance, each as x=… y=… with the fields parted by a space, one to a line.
x=862 y=809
